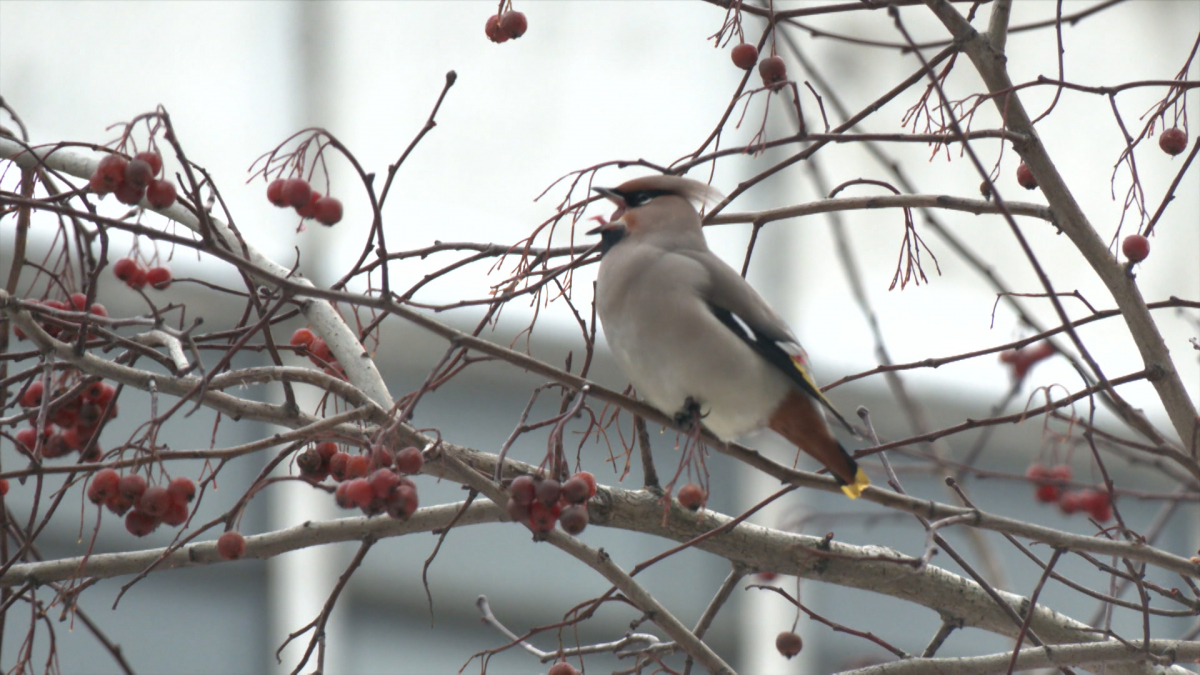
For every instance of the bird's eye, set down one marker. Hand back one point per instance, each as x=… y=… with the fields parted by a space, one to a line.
x=641 y=197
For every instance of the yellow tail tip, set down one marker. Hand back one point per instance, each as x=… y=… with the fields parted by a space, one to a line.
x=854 y=490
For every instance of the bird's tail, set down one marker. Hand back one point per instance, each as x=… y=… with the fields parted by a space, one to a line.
x=800 y=421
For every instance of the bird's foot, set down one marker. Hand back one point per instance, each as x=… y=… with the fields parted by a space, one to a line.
x=689 y=417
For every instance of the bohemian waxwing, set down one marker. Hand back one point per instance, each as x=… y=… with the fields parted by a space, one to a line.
x=694 y=338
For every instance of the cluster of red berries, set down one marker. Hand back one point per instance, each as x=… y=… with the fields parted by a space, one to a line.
x=78 y=303
x=71 y=426
x=1136 y=248
x=135 y=276
x=1023 y=359
x=1173 y=141
x=504 y=27
x=539 y=502
x=1051 y=489
x=318 y=352
x=131 y=180
x=151 y=505
x=691 y=496
x=310 y=204
x=772 y=69
x=376 y=482
x=788 y=643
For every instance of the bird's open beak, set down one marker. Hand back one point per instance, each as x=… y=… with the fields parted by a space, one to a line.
x=616 y=198
x=611 y=195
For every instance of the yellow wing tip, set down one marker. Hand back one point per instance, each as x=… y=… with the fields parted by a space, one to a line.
x=854 y=490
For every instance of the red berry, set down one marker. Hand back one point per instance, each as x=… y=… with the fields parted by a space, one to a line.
x=275 y=193
x=690 y=496
x=327 y=449
x=1060 y=473
x=78 y=302
x=98 y=183
x=73 y=439
x=55 y=446
x=360 y=493
x=138 y=281
x=309 y=210
x=3 y=487
x=181 y=489
x=1037 y=472
x=1047 y=494
x=410 y=460
x=152 y=159
x=118 y=504
x=159 y=277
x=1172 y=141
x=140 y=524
x=522 y=490
x=380 y=458
x=403 y=502
x=320 y=352
x=125 y=269
x=788 y=644
x=103 y=485
x=516 y=511
x=327 y=210
x=548 y=491
x=493 y=31
x=342 y=497
x=27 y=438
x=296 y=192
x=302 y=337
x=160 y=194
x=132 y=486
x=745 y=56
x=767 y=576
x=337 y=465
x=383 y=482
x=773 y=71
x=110 y=173
x=574 y=519
x=1069 y=502
x=103 y=395
x=32 y=397
x=1096 y=503
x=357 y=466
x=513 y=24
x=98 y=309
x=129 y=194
x=231 y=545
x=155 y=501
x=575 y=490
x=1025 y=177
x=542 y=517
x=1136 y=248
x=562 y=668
x=587 y=477
x=138 y=174
x=176 y=515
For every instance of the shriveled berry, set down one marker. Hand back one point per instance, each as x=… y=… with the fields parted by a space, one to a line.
x=159 y=277
x=140 y=524
x=1173 y=141
x=514 y=24
x=744 y=56
x=160 y=194
x=328 y=210
x=296 y=192
x=1025 y=177
x=155 y=501
x=303 y=337
x=403 y=502
x=138 y=174
x=1135 y=247
x=32 y=397
x=132 y=486
x=182 y=490
x=691 y=496
x=788 y=644
x=548 y=491
x=152 y=159
x=575 y=490
x=410 y=460
x=522 y=490
x=773 y=71
x=103 y=485
x=312 y=466
x=574 y=519
x=493 y=31
x=231 y=545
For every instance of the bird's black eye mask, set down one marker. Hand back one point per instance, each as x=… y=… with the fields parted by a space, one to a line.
x=638 y=198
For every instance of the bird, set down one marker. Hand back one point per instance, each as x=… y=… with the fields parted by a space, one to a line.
x=694 y=338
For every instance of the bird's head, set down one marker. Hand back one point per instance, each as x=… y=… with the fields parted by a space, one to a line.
x=654 y=206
